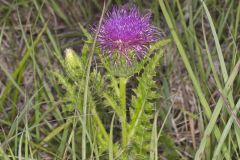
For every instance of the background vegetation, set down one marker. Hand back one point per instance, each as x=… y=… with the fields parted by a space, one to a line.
x=183 y=104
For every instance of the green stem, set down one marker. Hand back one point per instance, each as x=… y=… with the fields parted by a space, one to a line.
x=85 y=100
x=122 y=84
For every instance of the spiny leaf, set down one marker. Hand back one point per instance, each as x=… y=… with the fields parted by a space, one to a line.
x=142 y=109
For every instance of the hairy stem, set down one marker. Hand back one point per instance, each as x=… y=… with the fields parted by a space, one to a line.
x=122 y=85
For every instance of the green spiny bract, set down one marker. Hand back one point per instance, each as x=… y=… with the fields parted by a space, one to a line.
x=73 y=65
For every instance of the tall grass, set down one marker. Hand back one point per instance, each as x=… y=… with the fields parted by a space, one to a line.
x=182 y=101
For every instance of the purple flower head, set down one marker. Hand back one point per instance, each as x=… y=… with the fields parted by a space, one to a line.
x=125 y=30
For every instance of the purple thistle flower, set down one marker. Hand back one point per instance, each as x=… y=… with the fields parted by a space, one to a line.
x=126 y=30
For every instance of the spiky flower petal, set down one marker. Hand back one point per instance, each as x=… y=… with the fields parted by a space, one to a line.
x=125 y=30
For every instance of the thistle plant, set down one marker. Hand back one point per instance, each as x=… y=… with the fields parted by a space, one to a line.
x=126 y=40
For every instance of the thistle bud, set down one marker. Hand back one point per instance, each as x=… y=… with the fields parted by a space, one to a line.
x=73 y=64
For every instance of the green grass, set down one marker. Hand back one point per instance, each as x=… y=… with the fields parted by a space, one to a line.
x=182 y=103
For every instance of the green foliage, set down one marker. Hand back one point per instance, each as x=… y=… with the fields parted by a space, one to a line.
x=169 y=149
x=73 y=83
x=137 y=132
x=143 y=108
x=42 y=93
